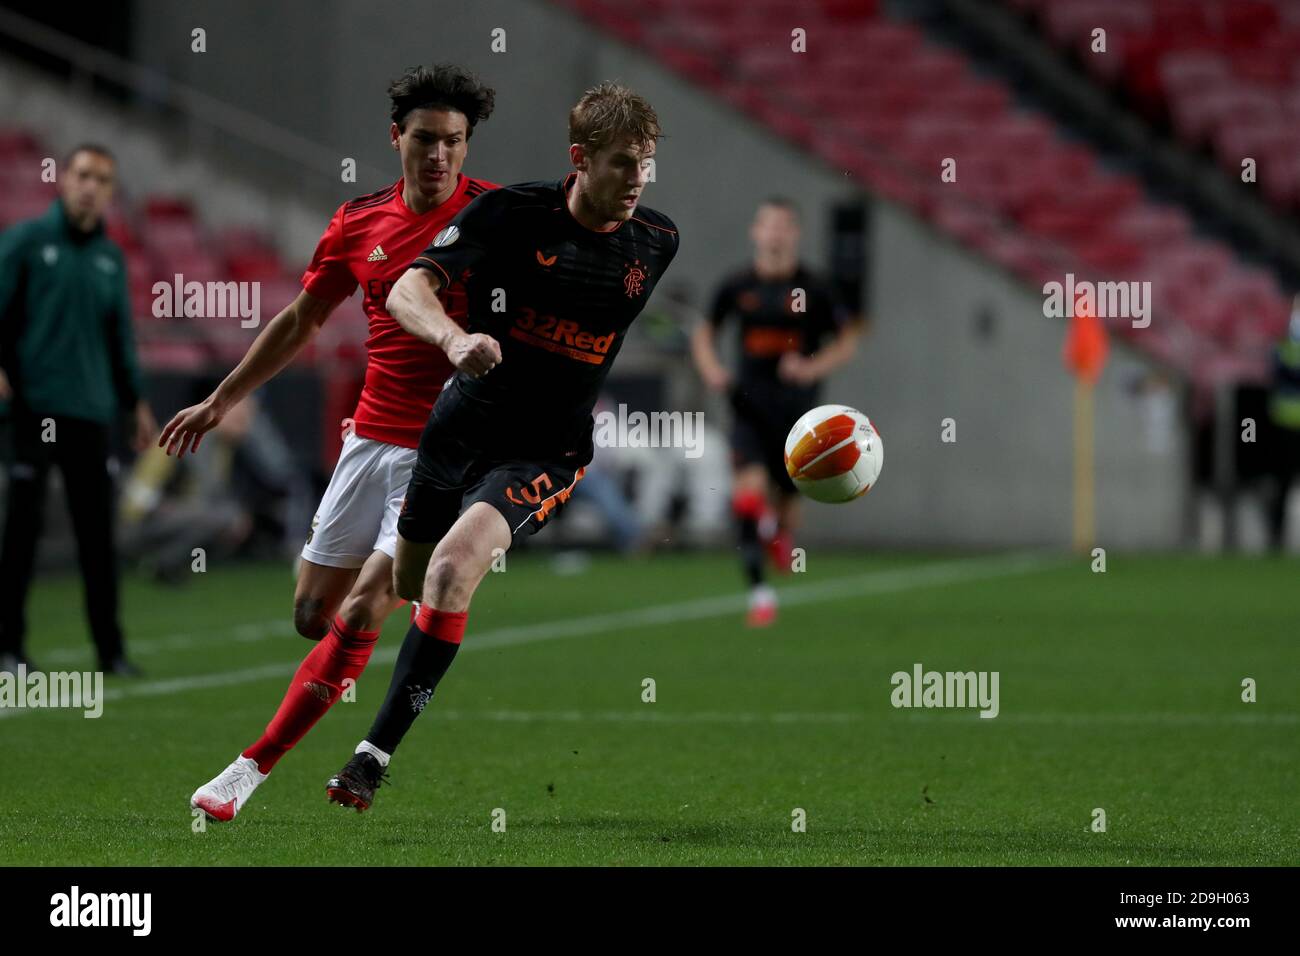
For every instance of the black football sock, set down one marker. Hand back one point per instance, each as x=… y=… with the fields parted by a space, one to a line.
x=428 y=650
x=751 y=551
x=748 y=507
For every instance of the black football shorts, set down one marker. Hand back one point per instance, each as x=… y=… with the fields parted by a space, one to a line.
x=449 y=475
x=761 y=423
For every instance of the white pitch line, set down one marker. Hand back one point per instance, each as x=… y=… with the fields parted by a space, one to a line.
x=875 y=582
x=242 y=633
x=648 y=716
x=871 y=583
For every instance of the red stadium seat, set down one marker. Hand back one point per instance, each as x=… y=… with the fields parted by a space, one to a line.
x=888 y=106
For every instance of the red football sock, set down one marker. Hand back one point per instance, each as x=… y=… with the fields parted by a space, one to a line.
x=748 y=505
x=446 y=626
x=315 y=687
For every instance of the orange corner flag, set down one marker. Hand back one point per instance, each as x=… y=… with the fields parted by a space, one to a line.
x=1086 y=344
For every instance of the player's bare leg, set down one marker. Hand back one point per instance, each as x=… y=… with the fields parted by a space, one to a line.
x=464 y=556
x=321 y=679
x=453 y=571
x=749 y=503
x=372 y=597
x=318 y=595
x=411 y=566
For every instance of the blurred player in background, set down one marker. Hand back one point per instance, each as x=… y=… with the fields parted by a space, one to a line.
x=232 y=498
x=345 y=588
x=574 y=263
x=792 y=334
x=69 y=370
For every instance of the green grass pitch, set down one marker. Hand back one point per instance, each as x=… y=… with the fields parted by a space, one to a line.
x=1120 y=691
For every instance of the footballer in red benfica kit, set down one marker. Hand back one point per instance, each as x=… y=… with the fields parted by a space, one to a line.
x=345 y=581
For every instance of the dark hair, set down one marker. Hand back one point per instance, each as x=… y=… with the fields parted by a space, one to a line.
x=782 y=202
x=442 y=86
x=611 y=112
x=95 y=148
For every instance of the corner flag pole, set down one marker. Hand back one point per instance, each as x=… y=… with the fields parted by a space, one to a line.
x=1085 y=519
x=1086 y=346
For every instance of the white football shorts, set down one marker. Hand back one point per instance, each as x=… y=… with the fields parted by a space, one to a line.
x=358 y=514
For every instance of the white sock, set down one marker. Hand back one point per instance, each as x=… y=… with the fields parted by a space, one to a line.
x=251 y=763
x=366 y=747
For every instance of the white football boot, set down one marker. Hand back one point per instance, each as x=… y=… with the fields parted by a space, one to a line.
x=762 y=607
x=225 y=794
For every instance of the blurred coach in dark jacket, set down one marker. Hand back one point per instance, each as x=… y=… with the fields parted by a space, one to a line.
x=68 y=366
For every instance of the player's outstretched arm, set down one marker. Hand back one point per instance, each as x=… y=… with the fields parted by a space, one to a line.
x=414 y=303
x=840 y=350
x=273 y=349
x=807 y=369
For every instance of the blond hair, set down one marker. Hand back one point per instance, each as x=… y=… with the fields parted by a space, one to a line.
x=611 y=113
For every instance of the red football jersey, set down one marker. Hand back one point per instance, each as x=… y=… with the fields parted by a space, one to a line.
x=370 y=242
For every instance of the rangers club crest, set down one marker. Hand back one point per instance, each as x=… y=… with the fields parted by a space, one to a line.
x=420 y=697
x=636 y=275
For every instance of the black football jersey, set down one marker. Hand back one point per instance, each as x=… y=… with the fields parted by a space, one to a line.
x=799 y=314
x=557 y=296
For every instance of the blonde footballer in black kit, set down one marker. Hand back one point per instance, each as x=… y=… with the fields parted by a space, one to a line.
x=556 y=272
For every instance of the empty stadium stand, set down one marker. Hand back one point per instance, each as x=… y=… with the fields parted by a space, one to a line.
x=889 y=105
